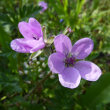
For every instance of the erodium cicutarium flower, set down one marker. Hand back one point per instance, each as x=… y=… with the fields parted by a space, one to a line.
x=33 y=37
x=69 y=63
x=43 y=5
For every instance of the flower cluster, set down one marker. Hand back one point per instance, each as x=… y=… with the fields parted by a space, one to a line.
x=68 y=61
x=43 y=5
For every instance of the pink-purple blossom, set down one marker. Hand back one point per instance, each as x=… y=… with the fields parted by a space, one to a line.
x=33 y=37
x=69 y=63
x=43 y=5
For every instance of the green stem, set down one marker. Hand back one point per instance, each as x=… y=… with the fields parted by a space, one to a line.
x=44 y=33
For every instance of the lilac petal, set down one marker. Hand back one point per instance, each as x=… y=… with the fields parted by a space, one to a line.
x=25 y=30
x=35 y=27
x=39 y=45
x=23 y=45
x=88 y=70
x=56 y=62
x=62 y=44
x=82 y=48
x=70 y=78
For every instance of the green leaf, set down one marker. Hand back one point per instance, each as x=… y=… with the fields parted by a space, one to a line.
x=79 y=6
x=97 y=93
x=4 y=39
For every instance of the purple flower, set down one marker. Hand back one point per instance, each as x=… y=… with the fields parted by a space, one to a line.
x=69 y=64
x=61 y=20
x=43 y=5
x=33 y=37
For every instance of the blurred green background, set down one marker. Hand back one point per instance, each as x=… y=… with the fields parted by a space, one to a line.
x=19 y=75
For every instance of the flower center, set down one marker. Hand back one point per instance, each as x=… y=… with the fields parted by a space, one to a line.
x=35 y=37
x=69 y=61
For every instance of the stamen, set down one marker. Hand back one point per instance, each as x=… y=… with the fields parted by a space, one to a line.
x=69 y=61
x=35 y=37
